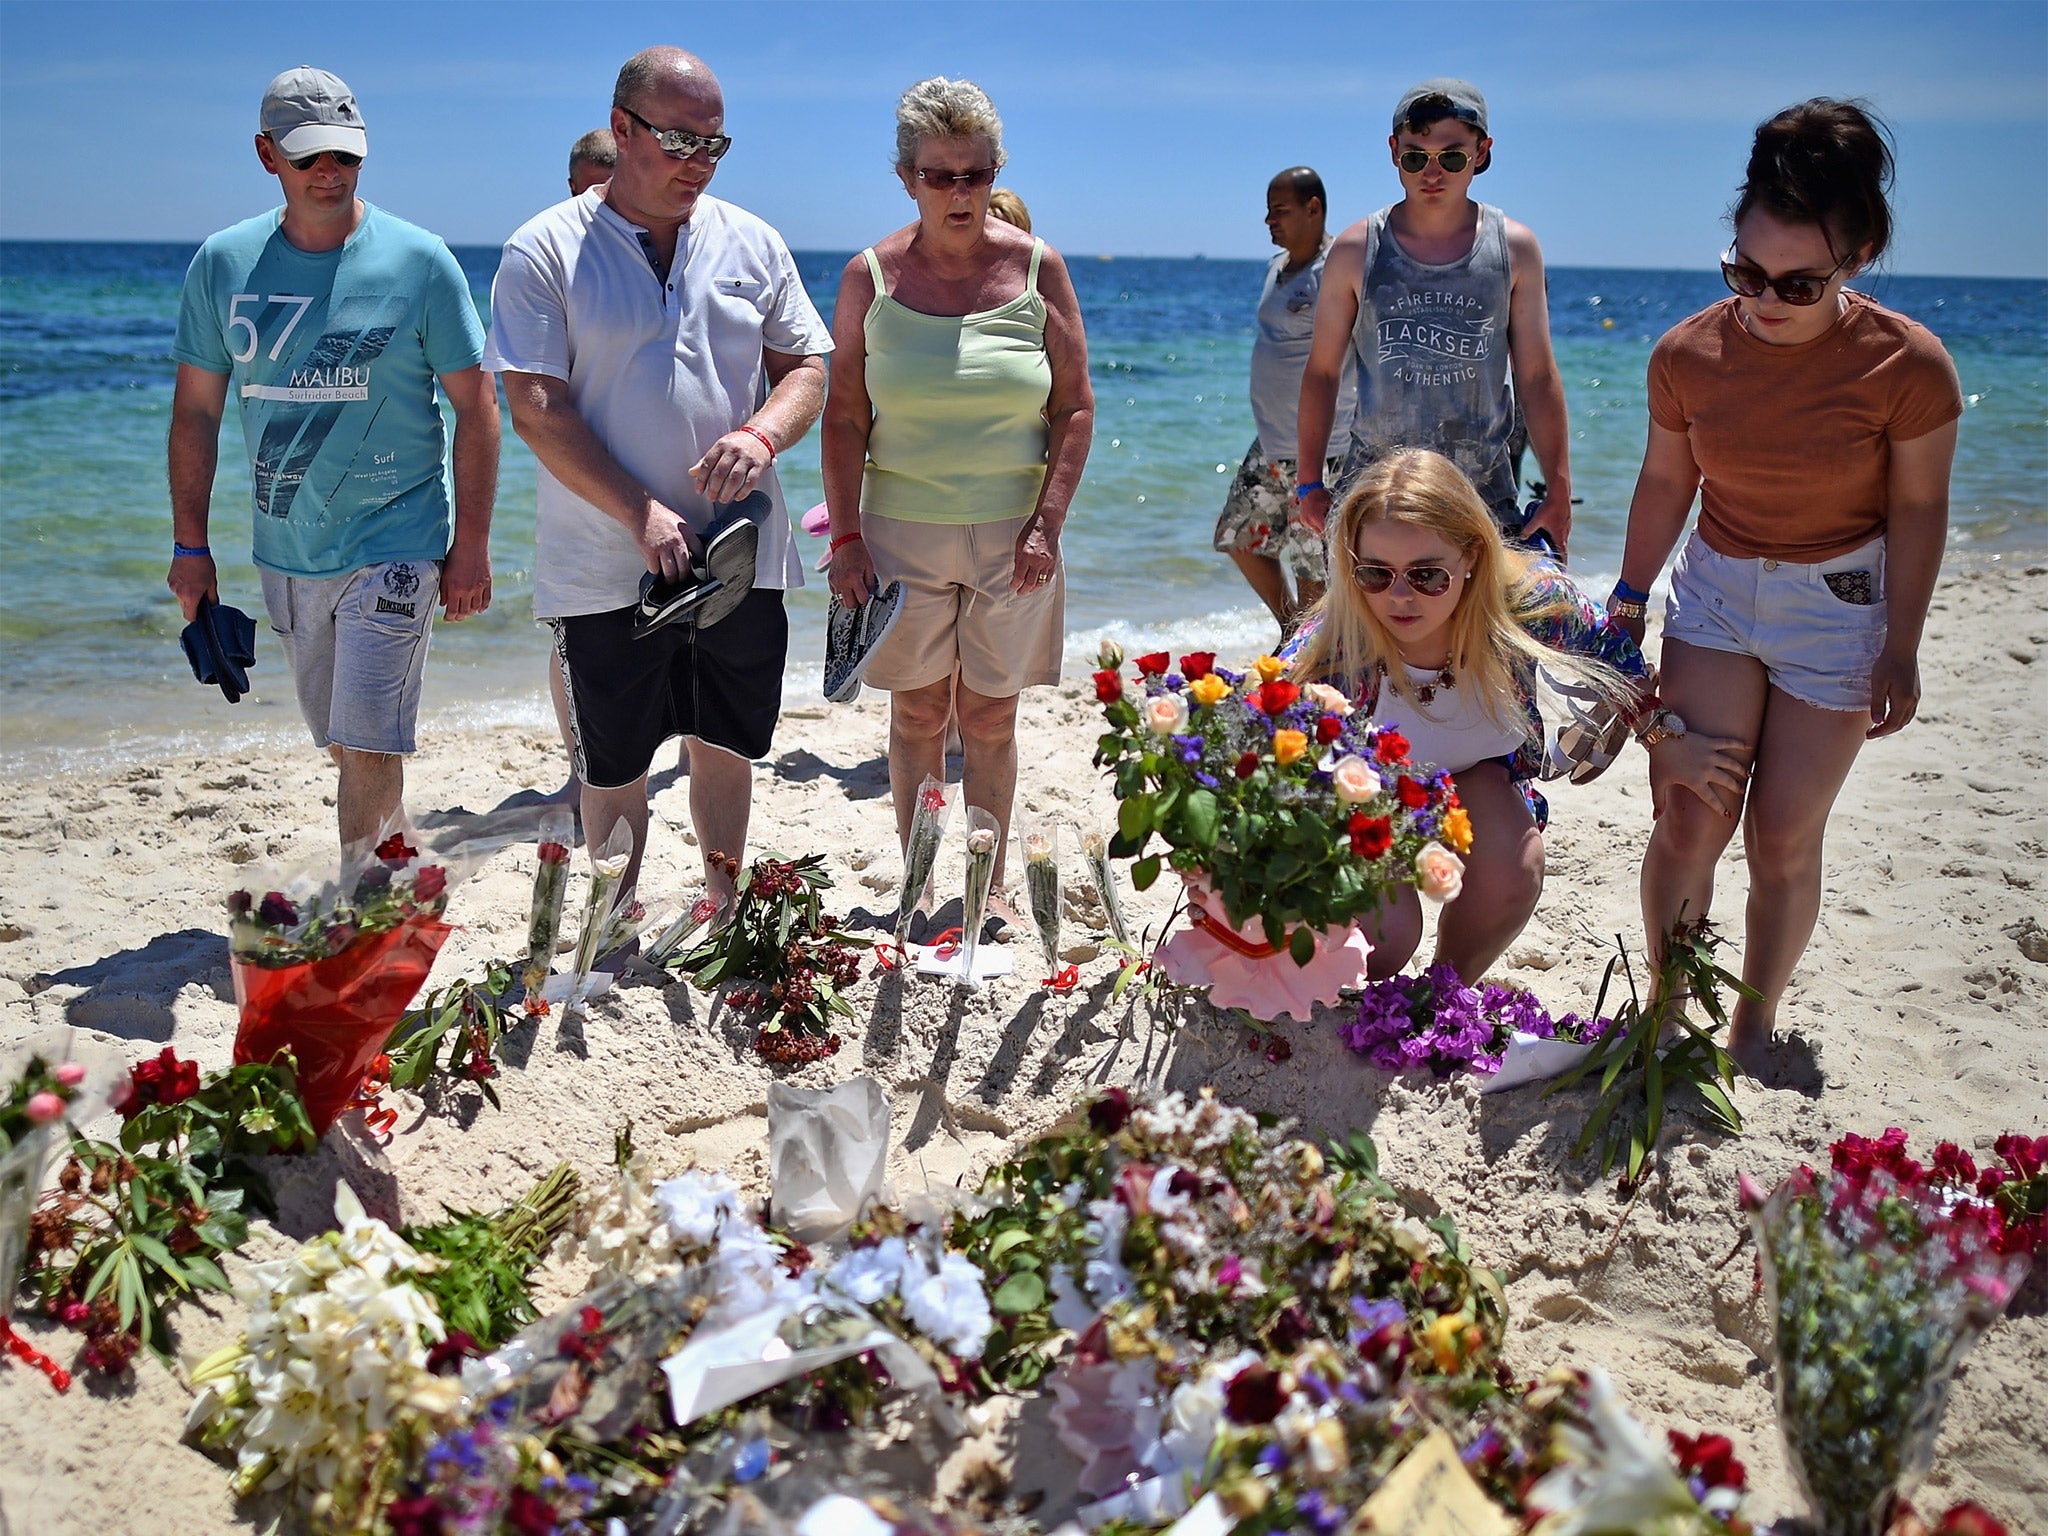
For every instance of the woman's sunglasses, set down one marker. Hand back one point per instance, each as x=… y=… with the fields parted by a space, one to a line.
x=1423 y=580
x=1799 y=292
x=1416 y=161
x=342 y=158
x=946 y=181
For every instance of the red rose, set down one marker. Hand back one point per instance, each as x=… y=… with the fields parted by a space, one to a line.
x=181 y=1078
x=1247 y=765
x=1254 y=1395
x=1371 y=836
x=554 y=853
x=1108 y=687
x=429 y=883
x=1969 y=1519
x=1197 y=664
x=396 y=850
x=1709 y=1457
x=1411 y=793
x=1392 y=747
x=1153 y=663
x=529 y=1514
x=1107 y=1115
x=1328 y=729
x=1277 y=696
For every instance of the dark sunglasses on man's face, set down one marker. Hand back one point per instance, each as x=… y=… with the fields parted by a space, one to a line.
x=682 y=143
x=1415 y=161
x=946 y=181
x=1799 y=292
x=1423 y=580
x=342 y=158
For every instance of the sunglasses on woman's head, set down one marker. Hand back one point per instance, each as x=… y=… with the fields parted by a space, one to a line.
x=1423 y=580
x=1799 y=292
x=342 y=158
x=1415 y=161
x=946 y=181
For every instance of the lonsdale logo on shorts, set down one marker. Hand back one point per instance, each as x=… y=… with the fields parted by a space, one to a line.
x=401 y=581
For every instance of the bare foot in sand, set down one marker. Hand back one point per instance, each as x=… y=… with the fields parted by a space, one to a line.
x=1774 y=1060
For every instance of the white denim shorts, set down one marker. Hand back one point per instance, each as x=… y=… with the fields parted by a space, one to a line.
x=1816 y=628
x=357 y=645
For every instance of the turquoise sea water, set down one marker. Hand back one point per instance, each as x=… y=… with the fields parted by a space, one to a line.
x=88 y=633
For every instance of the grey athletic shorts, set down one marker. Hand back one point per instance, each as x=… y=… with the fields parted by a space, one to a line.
x=357 y=646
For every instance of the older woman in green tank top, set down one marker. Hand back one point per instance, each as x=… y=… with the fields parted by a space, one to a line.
x=959 y=418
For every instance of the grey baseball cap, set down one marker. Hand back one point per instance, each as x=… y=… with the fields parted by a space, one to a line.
x=307 y=110
x=1467 y=105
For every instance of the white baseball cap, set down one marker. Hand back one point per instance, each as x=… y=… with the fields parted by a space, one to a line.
x=307 y=110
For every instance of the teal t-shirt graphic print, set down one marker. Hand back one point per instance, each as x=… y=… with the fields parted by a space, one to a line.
x=333 y=357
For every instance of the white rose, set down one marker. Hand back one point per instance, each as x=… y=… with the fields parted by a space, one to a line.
x=1440 y=872
x=1354 y=780
x=1166 y=714
x=1330 y=700
x=950 y=1308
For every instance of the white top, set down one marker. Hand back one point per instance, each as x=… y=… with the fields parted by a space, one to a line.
x=1280 y=348
x=660 y=372
x=1448 y=732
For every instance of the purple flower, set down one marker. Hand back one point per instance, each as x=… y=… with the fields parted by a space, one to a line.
x=1175 y=682
x=1206 y=780
x=1273 y=1459
x=1190 y=748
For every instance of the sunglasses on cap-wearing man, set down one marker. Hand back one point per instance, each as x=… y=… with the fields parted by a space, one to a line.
x=682 y=143
x=1414 y=161
x=1750 y=282
x=342 y=158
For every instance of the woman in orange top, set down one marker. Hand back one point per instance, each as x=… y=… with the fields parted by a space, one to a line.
x=1818 y=428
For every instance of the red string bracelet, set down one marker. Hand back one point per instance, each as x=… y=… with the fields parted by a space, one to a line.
x=759 y=436
x=844 y=539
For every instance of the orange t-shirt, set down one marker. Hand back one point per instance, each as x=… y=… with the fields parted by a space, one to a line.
x=1794 y=443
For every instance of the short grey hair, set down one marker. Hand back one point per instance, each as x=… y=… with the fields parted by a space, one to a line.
x=596 y=147
x=939 y=108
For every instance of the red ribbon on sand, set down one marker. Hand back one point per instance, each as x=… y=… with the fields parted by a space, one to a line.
x=28 y=1354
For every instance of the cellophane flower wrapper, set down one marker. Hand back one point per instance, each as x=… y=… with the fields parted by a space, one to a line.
x=21 y=1178
x=601 y=903
x=550 y=892
x=1041 y=848
x=325 y=969
x=41 y=1066
x=982 y=841
x=921 y=854
x=1094 y=843
x=677 y=929
x=1876 y=1294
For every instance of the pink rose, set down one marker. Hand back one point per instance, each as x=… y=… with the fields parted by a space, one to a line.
x=1330 y=700
x=43 y=1108
x=1440 y=872
x=1354 y=780
x=70 y=1074
x=1166 y=714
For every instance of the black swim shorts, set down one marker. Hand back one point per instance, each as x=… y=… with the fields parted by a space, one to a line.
x=626 y=696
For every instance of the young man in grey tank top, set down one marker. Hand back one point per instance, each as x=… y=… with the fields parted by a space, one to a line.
x=1437 y=303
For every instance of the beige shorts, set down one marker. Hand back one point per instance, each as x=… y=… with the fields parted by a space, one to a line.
x=957 y=605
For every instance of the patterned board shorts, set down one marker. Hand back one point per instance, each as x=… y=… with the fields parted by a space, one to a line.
x=1260 y=516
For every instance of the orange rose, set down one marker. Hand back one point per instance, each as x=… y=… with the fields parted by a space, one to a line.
x=1289 y=747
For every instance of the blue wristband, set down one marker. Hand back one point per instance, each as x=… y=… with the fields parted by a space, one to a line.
x=185 y=551
x=1629 y=594
x=1303 y=489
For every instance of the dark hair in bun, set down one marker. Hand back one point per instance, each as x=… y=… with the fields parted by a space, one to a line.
x=1829 y=163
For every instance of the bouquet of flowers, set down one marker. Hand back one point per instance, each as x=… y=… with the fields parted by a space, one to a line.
x=1435 y=1021
x=325 y=971
x=1881 y=1275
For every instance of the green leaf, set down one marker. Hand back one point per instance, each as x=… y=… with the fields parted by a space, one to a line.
x=1007 y=1239
x=1301 y=944
x=1202 y=815
x=204 y=1273
x=1022 y=1292
x=1720 y=1106
x=1144 y=872
x=1134 y=818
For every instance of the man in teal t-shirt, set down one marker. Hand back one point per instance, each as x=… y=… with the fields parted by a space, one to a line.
x=333 y=321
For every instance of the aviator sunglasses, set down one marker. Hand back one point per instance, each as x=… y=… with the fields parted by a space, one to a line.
x=1415 y=161
x=342 y=158
x=682 y=143
x=1423 y=580
x=946 y=181
x=1750 y=282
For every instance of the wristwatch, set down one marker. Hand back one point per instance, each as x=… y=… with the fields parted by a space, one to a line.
x=1663 y=726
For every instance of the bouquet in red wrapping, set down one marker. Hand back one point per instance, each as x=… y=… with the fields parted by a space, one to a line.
x=325 y=971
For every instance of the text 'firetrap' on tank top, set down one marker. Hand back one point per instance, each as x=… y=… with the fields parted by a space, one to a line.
x=1432 y=350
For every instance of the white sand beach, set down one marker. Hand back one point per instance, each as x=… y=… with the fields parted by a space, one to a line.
x=1916 y=1003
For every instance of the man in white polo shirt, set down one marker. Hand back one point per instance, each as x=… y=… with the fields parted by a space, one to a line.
x=658 y=352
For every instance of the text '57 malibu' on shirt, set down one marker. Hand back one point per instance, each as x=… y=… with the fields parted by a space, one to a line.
x=659 y=368
x=334 y=356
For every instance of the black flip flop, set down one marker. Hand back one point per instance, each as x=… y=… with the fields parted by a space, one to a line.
x=730 y=547
x=663 y=602
x=220 y=645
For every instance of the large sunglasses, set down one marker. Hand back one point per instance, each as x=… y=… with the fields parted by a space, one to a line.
x=946 y=181
x=1416 y=161
x=682 y=143
x=1423 y=580
x=1750 y=282
x=342 y=158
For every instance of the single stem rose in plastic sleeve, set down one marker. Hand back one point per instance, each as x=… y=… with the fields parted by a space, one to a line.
x=1042 y=887
x=1102 y=875
x=550 y=890
x=981 y=870
x=921 y=855
x=607 y=869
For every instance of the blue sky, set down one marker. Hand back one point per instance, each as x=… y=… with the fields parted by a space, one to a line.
x=1145 y=128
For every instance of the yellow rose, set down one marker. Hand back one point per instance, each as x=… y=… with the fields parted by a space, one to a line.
x=1269 y=668
x=1457 y=829
x=1446 y=1338
x=1289 y=747
x=1207 y=690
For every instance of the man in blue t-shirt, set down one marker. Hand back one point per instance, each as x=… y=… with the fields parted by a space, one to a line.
x=334 y=321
